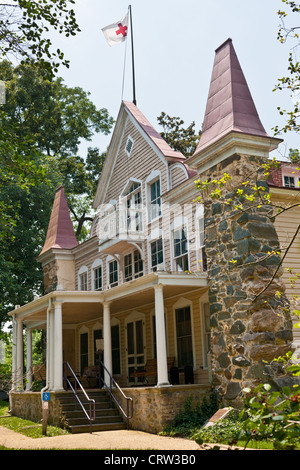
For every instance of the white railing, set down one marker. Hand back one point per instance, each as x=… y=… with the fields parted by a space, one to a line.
x=126 y=224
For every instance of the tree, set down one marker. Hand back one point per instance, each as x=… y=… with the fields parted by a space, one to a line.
x=44 y=121
x=24 y=26
x=179 y=138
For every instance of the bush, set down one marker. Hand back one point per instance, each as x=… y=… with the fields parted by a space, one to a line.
x=191 y=417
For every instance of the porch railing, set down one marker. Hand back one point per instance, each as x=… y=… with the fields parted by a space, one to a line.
x=92 y=405
x=128 y=414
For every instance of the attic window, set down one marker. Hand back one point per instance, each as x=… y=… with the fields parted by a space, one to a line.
x=129 y=146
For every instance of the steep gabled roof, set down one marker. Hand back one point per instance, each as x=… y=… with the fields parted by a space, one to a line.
x=60 y=232
x=155 y=137
x=230 y=107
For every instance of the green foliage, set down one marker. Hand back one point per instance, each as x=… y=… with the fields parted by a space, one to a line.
x=179 y=138
x=24 y=29
x=191 y=417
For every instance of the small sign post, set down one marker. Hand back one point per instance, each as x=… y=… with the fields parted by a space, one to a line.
x=45 y=402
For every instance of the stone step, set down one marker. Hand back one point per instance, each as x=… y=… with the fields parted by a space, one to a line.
x=98 y=420
x=79 y=413
x=97 y=427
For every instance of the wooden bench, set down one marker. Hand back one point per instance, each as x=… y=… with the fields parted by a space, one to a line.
x=151 y=368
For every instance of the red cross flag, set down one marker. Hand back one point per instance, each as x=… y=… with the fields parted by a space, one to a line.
x=116 y=32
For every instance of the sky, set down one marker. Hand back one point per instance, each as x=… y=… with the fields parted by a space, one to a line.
x=174 y=48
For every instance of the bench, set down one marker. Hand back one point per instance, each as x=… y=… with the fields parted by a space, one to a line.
x=150 y=369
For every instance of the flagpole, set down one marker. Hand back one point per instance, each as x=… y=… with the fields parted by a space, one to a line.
x=132 y=54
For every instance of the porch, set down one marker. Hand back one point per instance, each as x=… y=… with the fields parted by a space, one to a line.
x=157 y=316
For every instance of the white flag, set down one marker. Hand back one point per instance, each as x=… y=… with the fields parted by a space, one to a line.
x=116 y=32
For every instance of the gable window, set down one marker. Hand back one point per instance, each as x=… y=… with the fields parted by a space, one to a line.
x=155 y=200
x=184 y=338
x=180 y=245
x=289 y=181
x=129 y=146
x=113 y=273
x=157 y=254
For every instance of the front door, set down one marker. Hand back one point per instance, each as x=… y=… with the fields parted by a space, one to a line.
x=135 y=349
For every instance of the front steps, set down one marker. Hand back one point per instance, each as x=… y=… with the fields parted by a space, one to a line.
x=108 y=417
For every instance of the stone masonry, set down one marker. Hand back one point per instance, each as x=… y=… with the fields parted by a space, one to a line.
x=250 y=320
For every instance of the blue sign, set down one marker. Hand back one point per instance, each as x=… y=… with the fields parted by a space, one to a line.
x=46 y=396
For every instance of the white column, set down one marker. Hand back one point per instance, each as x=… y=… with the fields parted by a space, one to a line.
x=58 y=345
x=29 y=359
x=161 y=345
x=20 y=355
x=14 y=355
x=107 y=341
x=50 y=348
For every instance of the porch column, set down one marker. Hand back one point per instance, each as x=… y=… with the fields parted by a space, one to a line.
x=161 y=345
x=29 y=359
x=20 y=355
x=14 y=356
x=50 y=347
x=107 y=341
x=58 y=345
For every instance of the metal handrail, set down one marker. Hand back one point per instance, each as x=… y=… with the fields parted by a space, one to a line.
x=92 y=415
x=129 y=400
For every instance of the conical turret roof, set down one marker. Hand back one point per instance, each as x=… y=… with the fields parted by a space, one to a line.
x=60 y=232
x=230 y=106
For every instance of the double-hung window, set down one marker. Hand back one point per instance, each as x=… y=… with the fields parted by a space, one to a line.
x=180 y=245
x=113 y=273
x=155 y=200
x=83 y=281
x=134 y=214
x=133 y=266
x=157 y=254
x=289 y=181
x=98 y=278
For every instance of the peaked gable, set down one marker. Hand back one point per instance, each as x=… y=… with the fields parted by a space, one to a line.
x=130 y=115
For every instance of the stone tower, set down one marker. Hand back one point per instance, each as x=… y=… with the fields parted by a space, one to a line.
x=250 y=320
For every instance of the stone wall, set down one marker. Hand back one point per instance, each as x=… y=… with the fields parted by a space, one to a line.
x=250 y=324
x=50 y=276
x=28 y=405
x=155 y=407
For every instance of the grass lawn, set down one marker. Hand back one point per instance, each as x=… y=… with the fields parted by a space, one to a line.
x=24 y=426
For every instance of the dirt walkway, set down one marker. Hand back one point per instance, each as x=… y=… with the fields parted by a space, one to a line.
x=130 y=440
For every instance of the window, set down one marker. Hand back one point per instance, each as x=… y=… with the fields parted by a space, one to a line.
x=83 y=281
x=129 y=146
x=138 y=264
x=180 y=250
x=203 y=258
x=115 y=349
x=134 y=214
x=155 y=200
x=289 y=181
x=84 y=351
x=184 y=337
x=133 y=269
x=113 y=273
x=128 y=267
x=98 y=278
x=157 y=255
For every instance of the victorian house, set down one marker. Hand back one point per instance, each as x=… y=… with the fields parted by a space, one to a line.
x=140 y=288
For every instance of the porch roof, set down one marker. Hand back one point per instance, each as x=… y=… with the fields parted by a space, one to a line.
x=82 y=306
